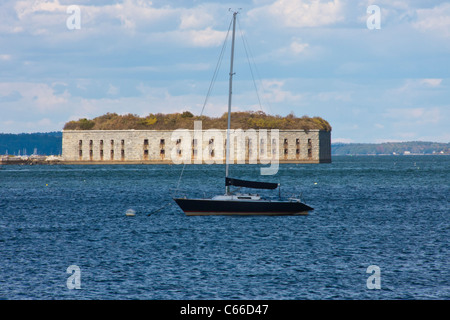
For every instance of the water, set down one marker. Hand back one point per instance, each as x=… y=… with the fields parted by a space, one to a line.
x=392 y=212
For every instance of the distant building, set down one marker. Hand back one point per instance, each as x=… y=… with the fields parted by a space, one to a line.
x=189 y=146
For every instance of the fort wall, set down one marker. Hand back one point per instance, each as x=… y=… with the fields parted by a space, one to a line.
x=194 y=146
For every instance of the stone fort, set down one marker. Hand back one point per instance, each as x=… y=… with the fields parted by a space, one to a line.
x=195 y=146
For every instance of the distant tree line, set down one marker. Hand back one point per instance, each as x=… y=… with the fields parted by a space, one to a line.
x=185 y=120
x=48 y=143
x=413 y=147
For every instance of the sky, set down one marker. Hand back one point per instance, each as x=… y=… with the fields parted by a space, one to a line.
x=373 y=77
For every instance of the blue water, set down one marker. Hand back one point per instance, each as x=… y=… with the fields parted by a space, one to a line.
x=392 y=212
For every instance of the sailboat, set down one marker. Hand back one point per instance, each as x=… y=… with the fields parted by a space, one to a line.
x=232 y=203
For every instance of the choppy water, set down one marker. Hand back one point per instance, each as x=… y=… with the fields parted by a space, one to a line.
x=392 y=212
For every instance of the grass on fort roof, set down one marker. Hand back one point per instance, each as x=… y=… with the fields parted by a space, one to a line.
x=185 y=120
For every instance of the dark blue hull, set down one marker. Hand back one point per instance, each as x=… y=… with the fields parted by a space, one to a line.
x=196 y=207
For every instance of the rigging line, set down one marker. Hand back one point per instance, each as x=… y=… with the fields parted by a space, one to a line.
x=179 y=179
x=211 y=85
x=250 y=66
x=247 y=51
x=216 y=71
x=157 y=210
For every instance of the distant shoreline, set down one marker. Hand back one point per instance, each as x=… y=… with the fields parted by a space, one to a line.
x=32 y=162
x=393 y=155
x=49 y=143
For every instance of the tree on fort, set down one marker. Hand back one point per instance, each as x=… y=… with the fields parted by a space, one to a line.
x=185 y=120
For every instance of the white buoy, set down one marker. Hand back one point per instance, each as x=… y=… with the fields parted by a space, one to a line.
x=130 y=213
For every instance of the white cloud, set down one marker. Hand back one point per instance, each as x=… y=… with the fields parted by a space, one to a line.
x=393 y=12
x=137 y=13
x=334 y=96
x=411 y=87
x=298 y=47
x=112 y=90
x=38 y=96
x=431 y=82
x=196 y=19
x=274 y=92
x=202 y=38
x=342 y=140
x=436 y=19
x=25 y=9
x=293 y=52
x=301 y=13
x=41 y=125
x=388 y=140
x=415 y=116
x=5 y=57
x=189 y=27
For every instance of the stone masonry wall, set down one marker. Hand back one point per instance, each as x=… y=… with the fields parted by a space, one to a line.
x=205 y=146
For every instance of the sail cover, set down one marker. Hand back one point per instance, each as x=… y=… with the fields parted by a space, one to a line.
x=250 y=184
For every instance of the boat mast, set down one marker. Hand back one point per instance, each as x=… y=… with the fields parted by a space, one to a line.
x=227 y=159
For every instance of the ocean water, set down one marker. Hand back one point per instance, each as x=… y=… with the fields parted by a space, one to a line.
x=391 y=212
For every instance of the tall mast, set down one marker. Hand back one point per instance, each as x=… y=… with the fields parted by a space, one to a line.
x=227 y=159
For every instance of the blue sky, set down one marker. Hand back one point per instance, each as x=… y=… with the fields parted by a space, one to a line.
x=311 y=57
